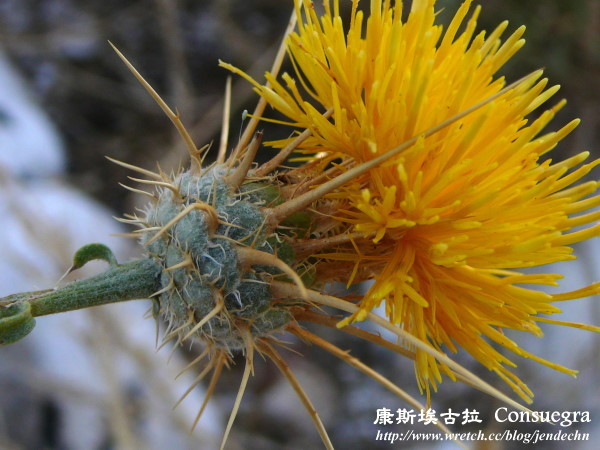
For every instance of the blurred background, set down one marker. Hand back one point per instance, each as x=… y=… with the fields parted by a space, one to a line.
x=93 y=379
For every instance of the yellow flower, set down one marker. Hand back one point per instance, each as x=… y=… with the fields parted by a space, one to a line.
x=442 y=226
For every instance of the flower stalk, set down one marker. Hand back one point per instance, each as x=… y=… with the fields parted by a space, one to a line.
x=120 y=282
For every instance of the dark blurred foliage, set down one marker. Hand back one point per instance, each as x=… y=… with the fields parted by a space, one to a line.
x=61 y=48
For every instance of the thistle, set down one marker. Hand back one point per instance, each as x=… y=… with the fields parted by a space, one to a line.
x=409 y=150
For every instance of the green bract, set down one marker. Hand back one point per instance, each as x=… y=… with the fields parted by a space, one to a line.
x=205 y=290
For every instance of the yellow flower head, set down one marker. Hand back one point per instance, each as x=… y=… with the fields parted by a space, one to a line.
x=443 y=226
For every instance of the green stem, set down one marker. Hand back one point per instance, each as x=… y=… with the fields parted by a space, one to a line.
x=135 y=280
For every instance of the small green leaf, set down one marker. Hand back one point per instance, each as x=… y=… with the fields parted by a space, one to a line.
x=91 y=252
x=16 y=322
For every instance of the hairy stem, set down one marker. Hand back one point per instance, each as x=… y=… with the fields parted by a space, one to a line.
x=134 y=280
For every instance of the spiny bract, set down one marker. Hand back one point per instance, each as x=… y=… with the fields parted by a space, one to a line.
x=206 y=291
